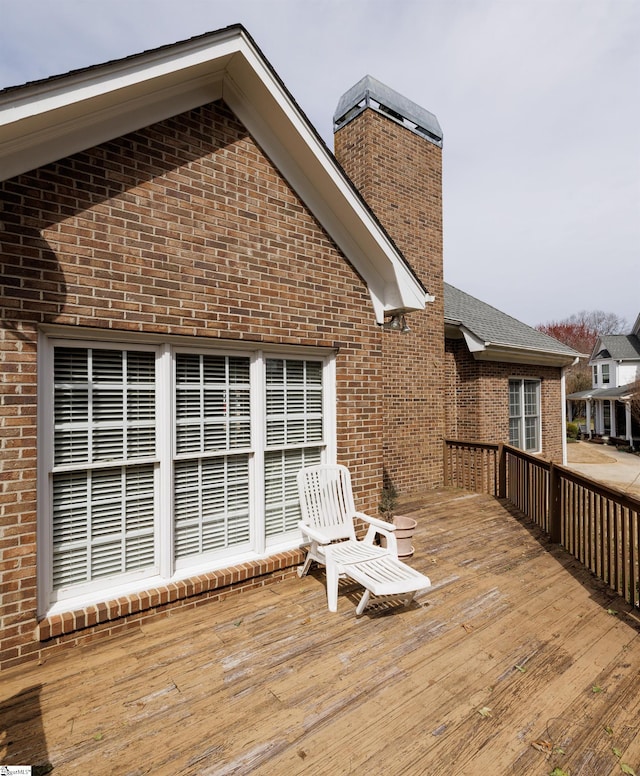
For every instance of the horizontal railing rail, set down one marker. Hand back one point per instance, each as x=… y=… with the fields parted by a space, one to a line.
x=597 y=524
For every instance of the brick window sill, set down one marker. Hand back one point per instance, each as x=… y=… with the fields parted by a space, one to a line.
x=158 y=598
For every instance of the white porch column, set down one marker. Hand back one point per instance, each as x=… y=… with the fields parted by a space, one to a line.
x=588 y=402
x=627 y=417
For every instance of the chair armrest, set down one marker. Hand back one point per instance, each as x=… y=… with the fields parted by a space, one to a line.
x=374 y=521
x=312 y=533
x=382 y=527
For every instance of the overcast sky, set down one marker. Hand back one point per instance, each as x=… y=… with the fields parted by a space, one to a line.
x=539 y=102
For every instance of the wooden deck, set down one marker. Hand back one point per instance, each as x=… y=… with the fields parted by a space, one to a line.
x=516 y=662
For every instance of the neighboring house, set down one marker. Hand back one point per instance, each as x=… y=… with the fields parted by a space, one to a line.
x=615 y=367
x=504 y=378
x=197 y=301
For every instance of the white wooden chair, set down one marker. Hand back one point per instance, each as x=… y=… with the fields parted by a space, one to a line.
x=328 y=513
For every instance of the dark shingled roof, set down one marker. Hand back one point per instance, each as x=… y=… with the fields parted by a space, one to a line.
x=602 y=393
x=621 y=346
x=493 y=326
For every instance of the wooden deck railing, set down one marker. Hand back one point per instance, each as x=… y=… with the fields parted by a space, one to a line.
x=597 y=524
x=472 y=466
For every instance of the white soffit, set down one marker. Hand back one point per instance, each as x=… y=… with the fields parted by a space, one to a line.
x=512 y=354
x=49 y=120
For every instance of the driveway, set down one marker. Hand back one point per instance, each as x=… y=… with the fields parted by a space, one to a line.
x=605 y=464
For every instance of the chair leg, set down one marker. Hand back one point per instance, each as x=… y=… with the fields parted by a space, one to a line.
x=363 y=602
x=303 y=570
x=408 y=599
x=311 y=554
x=332 y=587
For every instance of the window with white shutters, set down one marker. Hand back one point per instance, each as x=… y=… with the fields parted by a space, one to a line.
x=294 y=436
x=211 y=475
x=104 y=413
x=161 y=458
x=524 y=414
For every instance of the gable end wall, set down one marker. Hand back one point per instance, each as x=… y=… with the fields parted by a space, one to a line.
x=183 y=228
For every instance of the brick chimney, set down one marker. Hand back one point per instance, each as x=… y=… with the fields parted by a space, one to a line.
x=392 y=150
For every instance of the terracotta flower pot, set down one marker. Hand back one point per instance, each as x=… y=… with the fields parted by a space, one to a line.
x=405 y=528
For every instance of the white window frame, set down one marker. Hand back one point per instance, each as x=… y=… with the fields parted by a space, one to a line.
x=522 y=415
x=167 y=569
x=606 y=374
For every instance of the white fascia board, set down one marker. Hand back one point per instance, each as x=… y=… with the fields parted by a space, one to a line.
x=474 y=343
x=56 y=118
x=59 y=117
x=512 y=354
x=69 y=134
x=79 y=89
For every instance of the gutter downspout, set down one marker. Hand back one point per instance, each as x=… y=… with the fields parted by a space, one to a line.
x=563 y=405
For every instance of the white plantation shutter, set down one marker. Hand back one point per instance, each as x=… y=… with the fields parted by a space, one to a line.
x=104 y=411
x=211 y=504
x=103 y=523
x=70 y=529
x=186 y=498
x=294 y=436
x=104 y=405
x=282 y=508
x=71 y=405
x=139 y=517
x=293 y=402
x=213 y=418
x=237 y=495
x=212 y=403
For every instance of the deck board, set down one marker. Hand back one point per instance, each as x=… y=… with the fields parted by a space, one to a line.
x=270 y=682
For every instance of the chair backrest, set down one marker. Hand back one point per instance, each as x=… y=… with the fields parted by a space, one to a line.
x=326 y=500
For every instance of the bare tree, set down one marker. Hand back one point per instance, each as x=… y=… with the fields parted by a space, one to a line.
x=580 y=331
x=601 y=322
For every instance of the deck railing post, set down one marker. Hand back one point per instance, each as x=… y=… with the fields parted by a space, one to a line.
x=555 y=505
x=502 y=472
x=445 y=467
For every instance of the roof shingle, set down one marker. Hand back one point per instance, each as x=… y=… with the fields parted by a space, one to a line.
x=495 y=327
x=621 y=346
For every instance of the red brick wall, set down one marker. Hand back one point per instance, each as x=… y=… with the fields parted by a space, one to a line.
x=399 y=174
x=480 y=408
x=183 y=228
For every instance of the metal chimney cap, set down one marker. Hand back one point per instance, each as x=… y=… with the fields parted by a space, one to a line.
x=371 y=93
